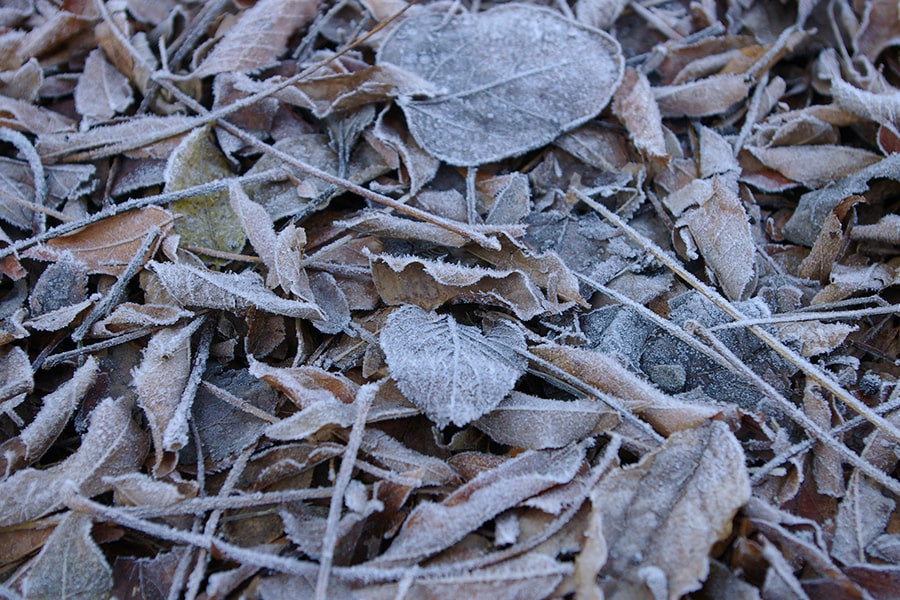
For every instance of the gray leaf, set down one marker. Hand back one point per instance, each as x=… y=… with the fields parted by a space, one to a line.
x=515 y=77
x=451 y=371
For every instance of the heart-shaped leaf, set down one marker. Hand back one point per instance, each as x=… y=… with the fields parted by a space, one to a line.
x=514 y=78
x=451 y=371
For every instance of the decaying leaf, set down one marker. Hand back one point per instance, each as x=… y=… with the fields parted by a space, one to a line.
x=113 y=445
x=501 y=70
x=433 y=527
x=662 y=516
x=452 y=372
x=108 y=245
x=70 y=565
x=258 y=36
x=635 y=105
x=194 y=286
x=102 y=91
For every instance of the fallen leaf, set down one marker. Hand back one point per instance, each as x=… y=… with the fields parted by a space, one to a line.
x=113 y=445
x=193 y=286
x=636 y=107
x=108 y=245
x=452 y=372
x=520 y=55
x=258 y=37
x=102 y=92
x=662 y=516
x=70 y=565
x=432 y=527
x=702 y=98
x=206 y=220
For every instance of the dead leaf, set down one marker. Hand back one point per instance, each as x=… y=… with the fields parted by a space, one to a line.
x=636 y=107
x=113 y=445
x=521 y=55
x=193 y=286
x=159 y=381
x=108 y=245
x=534 y=423
x=102 y=92
x=702 y=98
x=662 y=516
x=452 y=372
x=70 y=565
x=432 y=527
x=258 y=37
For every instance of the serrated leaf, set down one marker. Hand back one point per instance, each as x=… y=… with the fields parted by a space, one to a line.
x=207 y=220
x=452 y=372
x=503 y=71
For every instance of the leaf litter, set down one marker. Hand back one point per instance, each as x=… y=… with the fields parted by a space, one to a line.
x=431 y=299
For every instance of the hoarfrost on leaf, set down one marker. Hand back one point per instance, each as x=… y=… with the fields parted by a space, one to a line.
x=514 y=78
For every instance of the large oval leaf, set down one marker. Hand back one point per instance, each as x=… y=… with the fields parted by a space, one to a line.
x=515 y=77
x=451 y=371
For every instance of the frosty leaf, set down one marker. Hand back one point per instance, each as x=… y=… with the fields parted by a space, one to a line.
x=502 y=71
x=70 y=565
x=815 y=166
x=137 y=489
x=15 y=373
x=879 y=29
x=528 y=577
x=107 y=246
x=814 y=337
x=702 y=98
x=259 y=36
x=306 y=385
x=636 y=107
x=159 y=381
x=56 y=410
x=529 y=422
x=207 y=220
x=885 y=231
x=451 y=371
x=193 y=286
x=113 y=445
x=393 y=454
x=720 y=228
x=129 y=316
x=662 y=516
x=101 y=91
x=431 y=283
x=433 y=527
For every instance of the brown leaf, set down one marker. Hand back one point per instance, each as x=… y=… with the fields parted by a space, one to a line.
x=431 y=283
x=451 y=371
x=108 y=245
x=113 y=445
x=879 y=29
x=816 y=165
x=259 y=36
x=719 y=226
x=433 y=527
x=129 y=316
x=702 y=98
x=662 y=516
x=70 y=565
x=15 y=373
x=636 y=107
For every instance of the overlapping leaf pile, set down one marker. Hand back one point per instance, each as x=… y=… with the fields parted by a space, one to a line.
x=374 y=299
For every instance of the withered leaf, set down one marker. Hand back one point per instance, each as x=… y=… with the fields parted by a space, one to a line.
x=113 y=445
x=56 y=410
x=128 y=316
x=207 y=220
x=815 y=165
x=70 y=565
x=259 y=36
x=159 y=381
x=720 y=228
x=636 y=107
x=193 y=286
x=536 y=423
x=452 y=372
x=430 y=284
x=102 y=91
x=701 y=98
x=662 y=516
x=432 y=527
x=501 y=71
x=108 y=245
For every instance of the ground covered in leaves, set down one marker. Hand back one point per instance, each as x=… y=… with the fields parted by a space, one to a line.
x=369 y=299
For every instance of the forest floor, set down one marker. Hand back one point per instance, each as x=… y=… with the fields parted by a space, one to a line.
x=376 y=299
